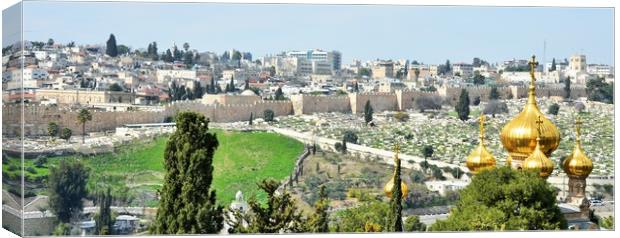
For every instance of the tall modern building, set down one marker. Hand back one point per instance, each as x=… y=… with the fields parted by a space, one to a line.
x=334 y=58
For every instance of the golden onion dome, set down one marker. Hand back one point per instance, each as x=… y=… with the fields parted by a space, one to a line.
x=538 y=161
x=519 y=135
x=389 y=186
x=480 y=158
x=577 y=164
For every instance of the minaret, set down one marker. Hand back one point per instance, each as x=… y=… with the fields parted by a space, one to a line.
x=577 y=167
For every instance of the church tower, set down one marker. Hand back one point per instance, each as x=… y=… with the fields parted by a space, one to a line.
x=577 y=166
x=524 y=133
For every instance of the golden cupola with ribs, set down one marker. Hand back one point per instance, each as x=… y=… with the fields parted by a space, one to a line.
x=519 y=136
x=577 y=164
x=480 y=158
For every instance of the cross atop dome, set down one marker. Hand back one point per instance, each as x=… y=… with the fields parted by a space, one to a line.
x=533 y=64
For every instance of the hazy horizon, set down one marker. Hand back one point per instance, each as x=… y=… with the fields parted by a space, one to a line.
x=365 y=32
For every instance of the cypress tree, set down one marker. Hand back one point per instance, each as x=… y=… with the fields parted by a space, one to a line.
x=368 y=112
x=279 y=94
x=104 y=217
x=493 y=94
x=567 y=88
x=111 y=48
x=396 y=199
x=232 y=84
x=188 y=204
x=462 y=106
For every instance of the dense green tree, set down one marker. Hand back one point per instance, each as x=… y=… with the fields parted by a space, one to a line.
x=279 y=95
x=493 y=94
x=478 y=78
x=167 y=56
x=151 y=51
x=237 y=57
x=53 y=129
x=319 y=220
x=505 y=199
x=111 y=48
x=123 y=49
x=598 y=90
x=280 y=214
x=104 y=220
x=65 y=134
x=607 y=223
x=427 y=151
x=350 y=136
x=177 y=55
x=428 y=102
x=567 y=88
x=188 y=59
x=364 y=72
x=355 y=219
x=462 y=106
x=412 y=223
x=67 y=188
x=84 y=116
x=268 y=115
x=476 y=101
x=368 y=111
x=554 y=109
x=188 y=203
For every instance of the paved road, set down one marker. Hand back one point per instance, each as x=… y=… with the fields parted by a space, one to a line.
x=386 y=155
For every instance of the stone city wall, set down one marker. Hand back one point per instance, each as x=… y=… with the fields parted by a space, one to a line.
x=308 y=104
x=406 y=98
x=37 y=117
x=232 y=112
x=379 y=101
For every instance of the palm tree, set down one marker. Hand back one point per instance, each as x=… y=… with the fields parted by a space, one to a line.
x=83 y=117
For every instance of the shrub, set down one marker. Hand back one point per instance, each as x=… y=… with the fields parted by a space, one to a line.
x=554 y=109
x=350 y=137
x=31 y=170
x=268 y=115
x=40 y=162
x=401 y=116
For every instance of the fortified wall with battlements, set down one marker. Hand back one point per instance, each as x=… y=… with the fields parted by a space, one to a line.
x=37 y=117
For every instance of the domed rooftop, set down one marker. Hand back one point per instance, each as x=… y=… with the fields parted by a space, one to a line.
x=577 y=164
x=519 y=135
x=389 y=186
x=538 y=161
x=248 y=92
x=480 y=158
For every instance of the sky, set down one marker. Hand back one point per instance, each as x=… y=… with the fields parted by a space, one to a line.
x=365 y=32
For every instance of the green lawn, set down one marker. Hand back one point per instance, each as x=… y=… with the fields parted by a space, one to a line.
x=241 y=160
